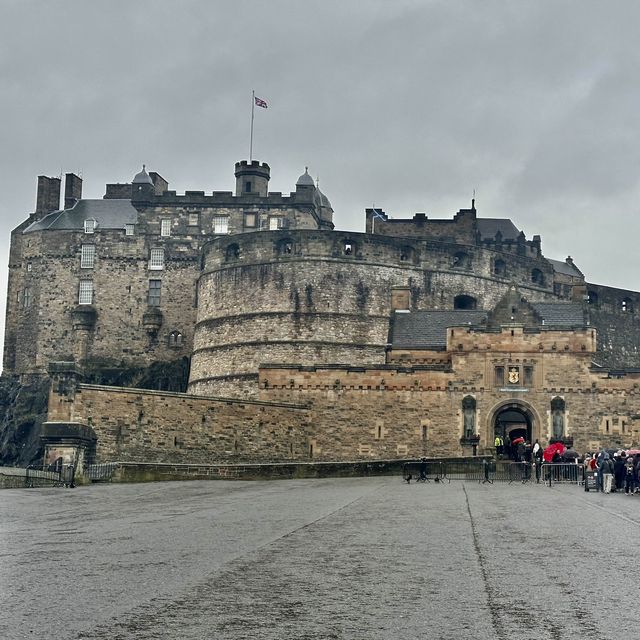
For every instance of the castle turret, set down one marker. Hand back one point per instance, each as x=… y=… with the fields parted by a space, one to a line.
x=252 y=178
x=142 y=187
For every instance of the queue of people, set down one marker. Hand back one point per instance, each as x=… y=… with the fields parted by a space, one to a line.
x=614 y=472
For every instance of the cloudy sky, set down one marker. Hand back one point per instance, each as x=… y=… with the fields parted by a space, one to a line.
x=408 y=105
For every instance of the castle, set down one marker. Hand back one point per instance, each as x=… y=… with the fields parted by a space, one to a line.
x=301 y=342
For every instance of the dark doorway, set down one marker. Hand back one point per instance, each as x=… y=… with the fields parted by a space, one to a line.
x=511 y=423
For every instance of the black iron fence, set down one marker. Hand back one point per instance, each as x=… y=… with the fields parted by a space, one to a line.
x=488 y=471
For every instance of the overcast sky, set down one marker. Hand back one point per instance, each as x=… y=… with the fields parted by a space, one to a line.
x=408 y=105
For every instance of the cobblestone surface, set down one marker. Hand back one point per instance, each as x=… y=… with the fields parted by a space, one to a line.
x=315 y=559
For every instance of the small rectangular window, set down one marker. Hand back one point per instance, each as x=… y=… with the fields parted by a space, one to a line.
x=247 y=187
x=165 y=227
x=250 y=220
x=129 y=229
x=27 y=298
x=29 y=267
x=156 y=259
x=85 y=294
x=194 y=219
x=499 y=376
x=89 y=226
x=275 y=223
x=221 y=224
x=87 y=257
x=153 y=298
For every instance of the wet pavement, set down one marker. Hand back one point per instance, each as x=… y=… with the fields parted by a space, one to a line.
x=313 y=559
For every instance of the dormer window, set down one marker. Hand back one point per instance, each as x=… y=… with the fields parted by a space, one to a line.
x=89 y=225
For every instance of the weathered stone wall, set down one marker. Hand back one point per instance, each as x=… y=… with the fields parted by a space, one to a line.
x=616 y=315
x=133 y=424
x=323 y=297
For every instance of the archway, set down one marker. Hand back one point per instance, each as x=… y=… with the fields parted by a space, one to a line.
x=511 y=420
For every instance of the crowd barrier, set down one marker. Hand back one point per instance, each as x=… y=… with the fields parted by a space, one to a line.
x=489 y=471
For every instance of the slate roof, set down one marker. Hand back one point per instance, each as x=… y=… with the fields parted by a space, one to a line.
x=565 y=268
x=488 y=227
x=109 y=214
x=560 y=314
x=428 y=329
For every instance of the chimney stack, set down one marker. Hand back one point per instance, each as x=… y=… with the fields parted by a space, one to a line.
x=48 y=197
x=72 y=190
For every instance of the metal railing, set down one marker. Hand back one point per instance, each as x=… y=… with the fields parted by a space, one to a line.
x=55 y=475
x=490 y=471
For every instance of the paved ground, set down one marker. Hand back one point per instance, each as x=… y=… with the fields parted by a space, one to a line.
x=311 y=559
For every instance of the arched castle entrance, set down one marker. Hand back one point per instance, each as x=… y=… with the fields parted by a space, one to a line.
x=512 y=419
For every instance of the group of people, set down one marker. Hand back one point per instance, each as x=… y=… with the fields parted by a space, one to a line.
x=616 y=471
x=519 y=450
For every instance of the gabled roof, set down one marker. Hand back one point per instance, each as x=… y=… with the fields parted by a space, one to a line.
x=488 y=227
x=561 y=314
x=108 y=214
x=565 y=268
x=428 y=329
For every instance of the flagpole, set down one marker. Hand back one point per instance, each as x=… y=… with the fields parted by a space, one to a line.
x=253 y=105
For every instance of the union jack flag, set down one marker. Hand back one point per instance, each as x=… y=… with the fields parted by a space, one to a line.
x=260 y=102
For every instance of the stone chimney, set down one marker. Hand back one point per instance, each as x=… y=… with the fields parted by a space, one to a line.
x=72 y=190
x=48 y=196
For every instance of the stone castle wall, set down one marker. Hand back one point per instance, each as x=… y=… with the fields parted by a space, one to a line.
x=138 y=425
x=325 y=297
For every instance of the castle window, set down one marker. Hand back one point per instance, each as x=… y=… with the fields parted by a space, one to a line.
x=537 y=277
x=461 y=260
x=406 y=254
x=89 y=225
x=85 y=292
x=194 y=220
x=498 y=376
x=221 y=224
x=175 y=339
x=247 y=186
x=29 y=267
x=232 y=252
x=156 y=259
x=165 y=227
x=250 y=220
x=27 y=297
x=129 y=229
x=464 y=302
x=626 y=305
x=153 y=295
x=348 y=248
x=500 y=268
x=285 y=247
x=592 y=297
x=87 y=256
x=275 y=223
